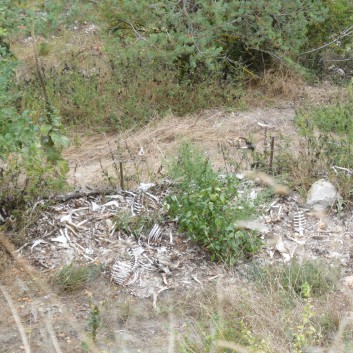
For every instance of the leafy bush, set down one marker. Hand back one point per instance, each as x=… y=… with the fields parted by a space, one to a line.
x=27 y=176
x=16 y=130
x=31 y=164
x=208 y=207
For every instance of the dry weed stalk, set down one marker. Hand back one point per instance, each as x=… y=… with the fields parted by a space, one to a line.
x=14 y=312
x=48 y=323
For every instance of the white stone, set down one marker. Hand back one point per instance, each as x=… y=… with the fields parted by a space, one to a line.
x=348 y=282
x=322 y=193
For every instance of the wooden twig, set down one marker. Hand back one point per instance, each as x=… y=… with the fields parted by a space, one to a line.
x=20 y=327
x=121 y=175
x=349 y=171
x=79 y=194
x=271 y=152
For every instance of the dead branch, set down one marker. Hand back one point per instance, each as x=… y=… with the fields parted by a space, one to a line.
x=345 y=33
x=79 y=194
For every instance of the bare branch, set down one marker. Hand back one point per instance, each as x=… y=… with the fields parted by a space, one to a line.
x=348 y=31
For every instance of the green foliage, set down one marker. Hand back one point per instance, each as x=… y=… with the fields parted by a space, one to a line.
x=324 y=149
x=53 y=141
x=24 y=143
x=165 y=56
x=191 y=166
x=9 y=18
x=333 y=144
x=207 y=208
x=49 y=17
x=339 y=16
x=44 y=49
x=235 y=330
x=327 y=137
x=198 y=37
x=307 y=279
x=94 y=320
x=335 y=118
x=305 y=334
x=17 y=131
x=73 y=277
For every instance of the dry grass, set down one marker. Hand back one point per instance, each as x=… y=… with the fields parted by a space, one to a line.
x=278 y=85
x=233 y=312
x=262 y=320
x=160 y=139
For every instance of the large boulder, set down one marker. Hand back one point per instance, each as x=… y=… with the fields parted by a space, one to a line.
x=322 y=194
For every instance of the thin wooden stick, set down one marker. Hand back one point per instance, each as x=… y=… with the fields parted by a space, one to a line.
x=54 y=340
x=271 y=152
x=20 y=327
x=121 y=175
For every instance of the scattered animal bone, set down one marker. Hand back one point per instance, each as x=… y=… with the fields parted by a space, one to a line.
x=299 y=222
x=155 y=234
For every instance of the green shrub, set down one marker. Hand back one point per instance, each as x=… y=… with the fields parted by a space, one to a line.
x=17 y=130
x=31 y=165
x=339 y=16
x=200 y=37
x=328 y=135
x=208 y=207
x=335 y=118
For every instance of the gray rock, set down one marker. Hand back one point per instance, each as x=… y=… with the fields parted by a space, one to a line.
x=322 y=194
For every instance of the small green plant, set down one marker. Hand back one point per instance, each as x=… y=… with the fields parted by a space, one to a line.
x=247 y=338
x=73 y=277
x=43 y=49
x=305 y=333
x=208 y=207
x=24 y=179
x=235 y=330
x=94 y=320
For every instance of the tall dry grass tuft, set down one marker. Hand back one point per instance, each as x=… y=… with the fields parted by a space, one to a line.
x=250 y=318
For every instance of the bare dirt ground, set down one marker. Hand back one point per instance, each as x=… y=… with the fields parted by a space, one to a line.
x=154 y=302
x=143 y=151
